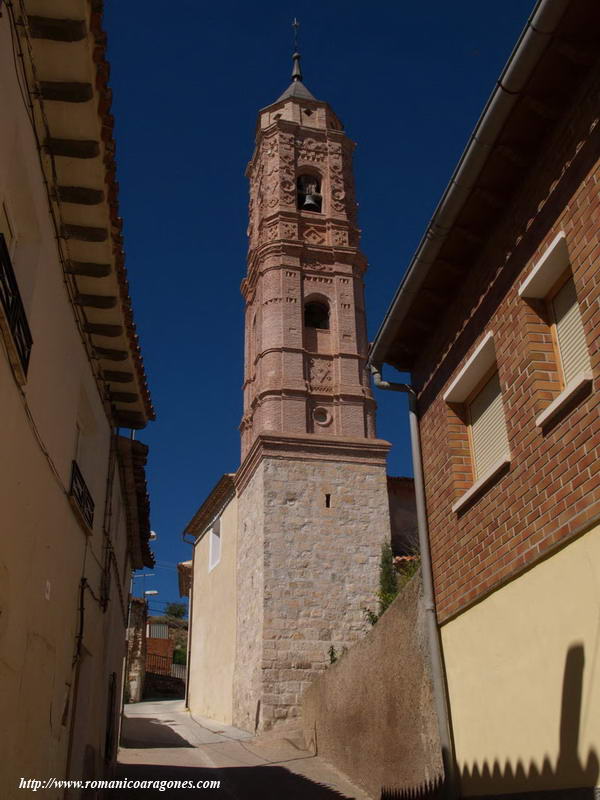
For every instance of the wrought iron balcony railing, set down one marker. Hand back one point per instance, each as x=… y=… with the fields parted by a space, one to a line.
x=81 y=495
x=12 y=306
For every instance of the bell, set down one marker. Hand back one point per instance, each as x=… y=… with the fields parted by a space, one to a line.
x=312 y=202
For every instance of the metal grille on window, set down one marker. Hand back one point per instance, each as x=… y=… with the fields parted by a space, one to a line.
x=12 y=305
x=488 y=427
x=569 y=332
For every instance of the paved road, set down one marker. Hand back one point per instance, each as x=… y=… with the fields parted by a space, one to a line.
x=160 y=741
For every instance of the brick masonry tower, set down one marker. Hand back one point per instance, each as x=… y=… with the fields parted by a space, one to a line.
x=313 y=504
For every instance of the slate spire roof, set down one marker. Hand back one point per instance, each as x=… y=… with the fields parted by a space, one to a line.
x=296 y=87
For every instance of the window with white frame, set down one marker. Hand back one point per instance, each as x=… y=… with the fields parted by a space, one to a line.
x=487 y=426
x=551 y=281
x=214 y=555
x=477 y=391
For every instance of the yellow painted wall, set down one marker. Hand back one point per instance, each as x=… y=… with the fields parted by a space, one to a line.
x=213 y=634
x=44 y=552
x=523 y=672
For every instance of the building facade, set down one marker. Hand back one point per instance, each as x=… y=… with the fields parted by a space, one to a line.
x=498 y=321
x=75 y=513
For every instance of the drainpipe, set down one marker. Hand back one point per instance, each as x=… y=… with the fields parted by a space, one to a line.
x=442 y=705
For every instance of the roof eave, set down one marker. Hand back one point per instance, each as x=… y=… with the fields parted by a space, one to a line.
x=219 y=496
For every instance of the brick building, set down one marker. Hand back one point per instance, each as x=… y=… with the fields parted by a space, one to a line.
x=498 y=321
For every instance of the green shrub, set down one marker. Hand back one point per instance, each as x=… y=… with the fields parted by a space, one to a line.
x=394 y=574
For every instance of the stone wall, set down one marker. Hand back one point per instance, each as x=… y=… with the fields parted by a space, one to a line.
x=136 y=649
x=371 y=714
x=324 y=524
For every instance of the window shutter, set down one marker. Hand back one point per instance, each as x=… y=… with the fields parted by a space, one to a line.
x=488 y=427
x=569 y=332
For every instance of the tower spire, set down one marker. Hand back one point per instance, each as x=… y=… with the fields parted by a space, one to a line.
x=296 y=88
x=296 y=70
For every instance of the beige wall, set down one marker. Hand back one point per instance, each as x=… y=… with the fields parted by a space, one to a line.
x=523 y=671
x=213 y=623
x=371 y=713
x=44 y=551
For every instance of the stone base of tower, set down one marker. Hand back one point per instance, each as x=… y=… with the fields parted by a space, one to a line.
x=313 y=514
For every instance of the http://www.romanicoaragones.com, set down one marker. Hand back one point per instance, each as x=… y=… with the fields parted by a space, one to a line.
x=35 y=784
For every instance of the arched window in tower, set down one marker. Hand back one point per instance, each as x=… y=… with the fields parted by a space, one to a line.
x=309 y=193
x=316 y=315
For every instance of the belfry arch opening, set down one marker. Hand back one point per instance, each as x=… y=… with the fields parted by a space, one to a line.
x=309 y=193
x=316 y=315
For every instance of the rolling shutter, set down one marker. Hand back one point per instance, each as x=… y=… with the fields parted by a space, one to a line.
x=569 y=332
x=488 y=427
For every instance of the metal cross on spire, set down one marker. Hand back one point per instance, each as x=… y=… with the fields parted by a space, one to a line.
x=296 y=71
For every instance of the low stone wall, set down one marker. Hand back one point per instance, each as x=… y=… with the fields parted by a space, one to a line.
x=371 y=714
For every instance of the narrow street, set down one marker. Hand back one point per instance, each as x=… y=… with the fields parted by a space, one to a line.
x=161 y=741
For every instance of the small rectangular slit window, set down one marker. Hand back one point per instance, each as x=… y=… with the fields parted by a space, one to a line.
x=214 y=555
x=327 y=501
x=568 y=332
x=487 y=424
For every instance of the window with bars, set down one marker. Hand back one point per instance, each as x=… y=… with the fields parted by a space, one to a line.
x=14 y=326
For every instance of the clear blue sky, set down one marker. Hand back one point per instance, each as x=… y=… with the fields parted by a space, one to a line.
x=409 y=81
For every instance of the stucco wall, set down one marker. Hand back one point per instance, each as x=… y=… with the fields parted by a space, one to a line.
x=523 y=672
x=214 y=624
x=250 y=586
x=371 y=713
x=48 y=697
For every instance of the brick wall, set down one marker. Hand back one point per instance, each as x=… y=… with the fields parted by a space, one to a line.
x=553 y=484
x=160 y=647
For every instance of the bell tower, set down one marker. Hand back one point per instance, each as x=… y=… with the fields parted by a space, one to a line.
x=306 y=343
x=312 y=493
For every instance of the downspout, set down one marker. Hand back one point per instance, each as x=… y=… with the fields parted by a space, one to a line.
x=440 y=694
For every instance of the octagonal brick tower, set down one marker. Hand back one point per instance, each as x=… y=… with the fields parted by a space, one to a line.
x=313 y=505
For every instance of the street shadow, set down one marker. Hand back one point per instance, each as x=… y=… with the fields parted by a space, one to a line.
x=148 y=732
x=249 y=783
x=529 y=782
